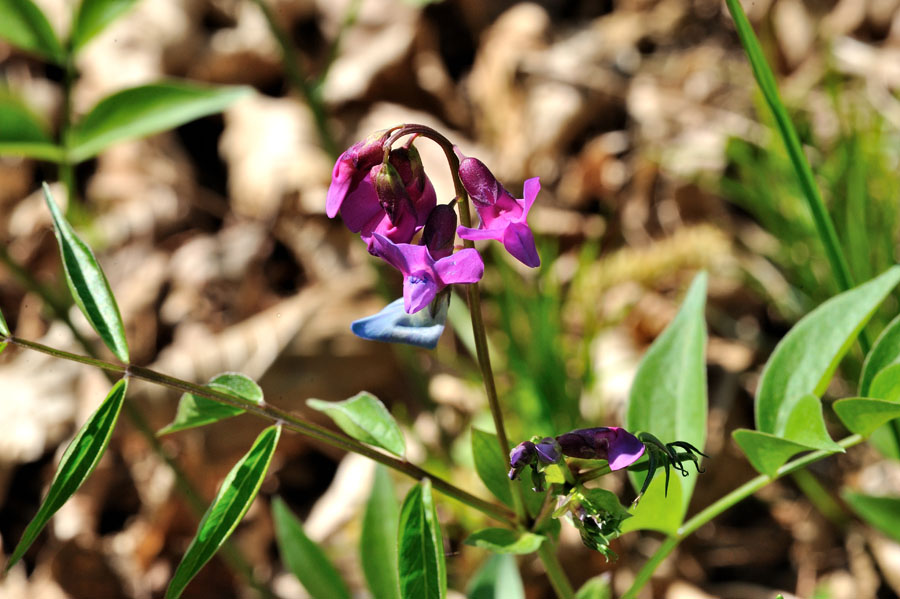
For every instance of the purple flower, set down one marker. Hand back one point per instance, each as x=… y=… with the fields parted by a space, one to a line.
x=423 y=276
x=611 y=443
x=351 y=167
x=394 y=325
x=503 y=218
x=527 y=453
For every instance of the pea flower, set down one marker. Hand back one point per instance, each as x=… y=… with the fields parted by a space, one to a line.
x=538 y=455
x=423 y=276
x=503 y=218
x=611 y=443
x=394 y=325
x=351 y=168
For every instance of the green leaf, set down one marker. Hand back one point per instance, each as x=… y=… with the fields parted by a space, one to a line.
x=490 y=464
x=196 y=410
x=805 y=360
x=304 y=558
x=498 y=578
x=77 y=463
x=862 y=415
x=88 y=284
x=237 y=492
x=23 y=133
x=364 y=418
x=668 y=399
x=24 y=25
x=144 y=110
x=884 y=353
x=603 y=502
x=504 y=540
x=93 y=16
x=595 y=588
x=378 y=540
x=4 y=331
x=881 y=512
x=886 y=384
x=423 y=571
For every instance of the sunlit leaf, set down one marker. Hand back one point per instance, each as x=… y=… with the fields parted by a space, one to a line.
x=883 y=513
x=304 y=558
x=364 y=418
x=22 y=132
x=886 y=384
x=378 y=540
x=144 y=110
x=668 y=399
x=24 y=25
x=77 y=463
x=505 y=540
x=423 y=571
x=498 y=578
x=885 y=352
x=237 y=492
x=88 y=284
x=196 y=410
x=93 y=16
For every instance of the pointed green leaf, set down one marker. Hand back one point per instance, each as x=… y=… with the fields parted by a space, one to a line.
x=4 y=331
x=196 y=410
x=364 y=418
x=378 y=540
x=862 y=415
x=805 y=360
x=88 y=284
x=23 y=133
x=490 y=465
x=304 y=558
x=597 y=587
x=24 y=25
x=237 y=492
x=886 y=384
x=668 y=399
x=423 y=571
x=766 y=452
x=77 y=463
x=141 y=111
x=93 y=16
x=884 y=353
x=882 y=513
x=504 y=540
x=498 y=578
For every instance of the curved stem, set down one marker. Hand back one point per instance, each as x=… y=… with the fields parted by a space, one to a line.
x=289 y=421
x=748 y=488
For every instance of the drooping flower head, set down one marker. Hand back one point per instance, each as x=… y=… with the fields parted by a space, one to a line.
x=351 y=167
x=611 y=443
x=503 y=218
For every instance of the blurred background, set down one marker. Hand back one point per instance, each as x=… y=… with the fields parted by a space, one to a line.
x=656 y=159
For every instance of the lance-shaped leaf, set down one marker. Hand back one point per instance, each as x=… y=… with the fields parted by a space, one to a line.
x=144 y=110
x=237 y=492
x=504 y=540
x=423 y=571
x=93 y=16
x=196 y=410
x=805 y=360
x=668 y=399
x=88 y=284
x=77 y=463
x=4 y=332
x=490 y=465
x=885 y=352
x=24 y=25
x=378 y=540
x=882 y=513
x=304 y=558
x=498 y=578
x=364 y=418
x=22 y=132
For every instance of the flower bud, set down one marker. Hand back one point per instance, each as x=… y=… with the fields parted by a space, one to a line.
x=440 y=231
x=391 y=192
x=408 y=163
x=352 y=167
x=481 y=184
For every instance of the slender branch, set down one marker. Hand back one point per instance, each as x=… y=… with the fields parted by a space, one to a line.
x=290 y=421
x=722 y=504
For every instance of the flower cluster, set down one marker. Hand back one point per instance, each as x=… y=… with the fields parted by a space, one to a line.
x=383 y=193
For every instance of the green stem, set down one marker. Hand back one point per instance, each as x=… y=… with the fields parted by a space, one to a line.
x=724 y=503
x=558 y=579
x=287 y=419
x=66 y=167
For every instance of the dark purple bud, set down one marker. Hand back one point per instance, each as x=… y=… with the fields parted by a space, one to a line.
x=548 y=450
x=440 y=231
x=522 y=455
x=408 y=163
x=481 y=184
x=392 y=194
x=616 y=445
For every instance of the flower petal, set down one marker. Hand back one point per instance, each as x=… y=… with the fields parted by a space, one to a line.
x=479 y=234
x=404 y=257
x=519 y=241
x=418 y=291
x=624 y=449
x=393 y=325
x=530 y=190
x=341 y=178
x=361 y=205
x=465 y=266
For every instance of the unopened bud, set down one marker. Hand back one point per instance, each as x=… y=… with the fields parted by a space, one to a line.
x=408 y=163
x=481 y=184
x=440 y=231
x=391 y=192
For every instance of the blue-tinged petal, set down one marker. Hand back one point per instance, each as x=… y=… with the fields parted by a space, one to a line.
x=394 y=325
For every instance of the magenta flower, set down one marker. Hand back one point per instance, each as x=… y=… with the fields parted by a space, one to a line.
x=423 y=276
x=351 y=167
x=503 y=218
x=611 y=443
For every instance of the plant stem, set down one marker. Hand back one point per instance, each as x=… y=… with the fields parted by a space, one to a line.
x=66 y=167
x=287 y=419
x=558 y=579
x=722 y=504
